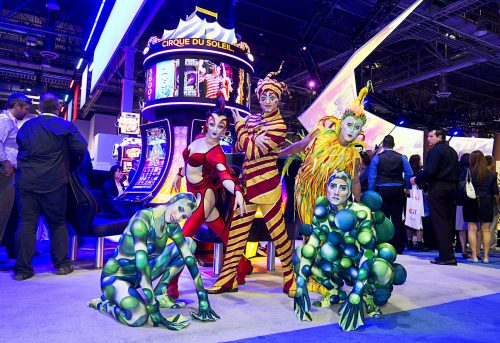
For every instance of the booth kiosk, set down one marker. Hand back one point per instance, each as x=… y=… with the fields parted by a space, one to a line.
x=185 y=69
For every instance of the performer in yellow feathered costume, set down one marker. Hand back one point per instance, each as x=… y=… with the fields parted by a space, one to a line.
x=330 y=146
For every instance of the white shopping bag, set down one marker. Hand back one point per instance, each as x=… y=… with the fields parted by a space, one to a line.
x=414 y=209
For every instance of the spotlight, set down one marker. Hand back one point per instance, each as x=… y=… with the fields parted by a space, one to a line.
x=455 y=133
x=28 y=89
x=311 y=84
x=304 y=48
x=250 y=57
x=401 y=122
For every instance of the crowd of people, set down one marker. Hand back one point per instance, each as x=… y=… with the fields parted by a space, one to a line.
x=443 y=180
x=36 y=161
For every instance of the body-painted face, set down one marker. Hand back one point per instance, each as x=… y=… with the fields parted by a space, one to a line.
x=350 y=129
x=337 y=192
x=216 y=125
x=178 y=212
x=269 y=101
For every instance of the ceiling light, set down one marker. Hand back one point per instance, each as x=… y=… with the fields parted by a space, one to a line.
x=52 y=5
x=443 y=91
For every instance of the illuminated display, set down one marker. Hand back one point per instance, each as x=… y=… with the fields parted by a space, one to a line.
x=156 y=151
x=128 y=123
x=180 y=143
x=201 y=78
x=191 y=71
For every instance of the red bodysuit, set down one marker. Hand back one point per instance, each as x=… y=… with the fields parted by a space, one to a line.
x=212 y=179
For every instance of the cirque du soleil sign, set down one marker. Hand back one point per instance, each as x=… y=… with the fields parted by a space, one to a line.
x=196 y=42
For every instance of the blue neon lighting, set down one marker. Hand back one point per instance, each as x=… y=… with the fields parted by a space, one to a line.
x=95 y=24
x=66 y=97
x=79 y=63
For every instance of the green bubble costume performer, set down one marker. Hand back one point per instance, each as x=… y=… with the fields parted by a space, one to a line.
x=347 y=245
x=141 y=257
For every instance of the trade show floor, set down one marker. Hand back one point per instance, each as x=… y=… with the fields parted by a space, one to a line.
x=437 y=303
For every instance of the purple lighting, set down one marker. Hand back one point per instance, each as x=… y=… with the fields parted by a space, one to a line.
x=311 y=84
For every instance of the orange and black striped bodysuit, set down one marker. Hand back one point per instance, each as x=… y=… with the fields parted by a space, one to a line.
x=262 y=189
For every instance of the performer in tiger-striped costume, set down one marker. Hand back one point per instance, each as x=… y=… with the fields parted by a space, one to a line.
x=259 y=136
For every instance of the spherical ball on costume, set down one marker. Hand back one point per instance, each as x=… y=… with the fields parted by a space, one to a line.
x=326 y=266
x=335 y=299
x=300 y=281
x=308 y=251
x=353 y=273
x=381 y=295
x=365 y=237
x=349 y=240
x=345 y=262
x=359 y=287
x=361 y=215
x=371 y=199
x=350 y=250
x=362 y=273
x=329 y=252
x=306 y=270
x=382 y=272
x=379 y=217
x=320 y=211
x=387 y=252
x=385 y=231
x=399 y=274
x=335 y=238
x=325 y=229
x=345 y=220
x=322 y=201
x=342 y=294
x=306 y=229
x=354 y=298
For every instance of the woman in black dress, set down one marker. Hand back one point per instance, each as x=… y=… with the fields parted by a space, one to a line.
x=480 y=210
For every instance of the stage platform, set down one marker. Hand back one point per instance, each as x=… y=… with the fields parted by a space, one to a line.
x=437 y=303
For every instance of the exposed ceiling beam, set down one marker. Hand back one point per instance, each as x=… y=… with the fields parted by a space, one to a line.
x=25 y=28
x=430 y=74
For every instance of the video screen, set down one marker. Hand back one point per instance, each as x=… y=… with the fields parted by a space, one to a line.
x=201 y=78
x=156 y=151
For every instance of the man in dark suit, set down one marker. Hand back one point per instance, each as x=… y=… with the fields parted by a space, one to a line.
x=386 y=177
x=441 y=172
x=46 y=145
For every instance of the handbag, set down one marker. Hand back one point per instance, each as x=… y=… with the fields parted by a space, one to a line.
x=469 y=187
x=414 y=209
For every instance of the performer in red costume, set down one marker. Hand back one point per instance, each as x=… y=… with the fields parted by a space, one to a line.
x=259 y=137
x=206 y=173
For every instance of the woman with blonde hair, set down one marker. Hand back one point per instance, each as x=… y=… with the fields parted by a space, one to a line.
x=480 y=209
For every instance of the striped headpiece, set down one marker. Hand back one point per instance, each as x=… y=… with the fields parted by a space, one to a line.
x=270 y=84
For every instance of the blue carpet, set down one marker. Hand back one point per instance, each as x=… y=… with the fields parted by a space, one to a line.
x=494 y=258
x=449 y=322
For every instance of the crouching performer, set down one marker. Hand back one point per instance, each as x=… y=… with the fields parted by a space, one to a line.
x=141 y=257
x=347 y=245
